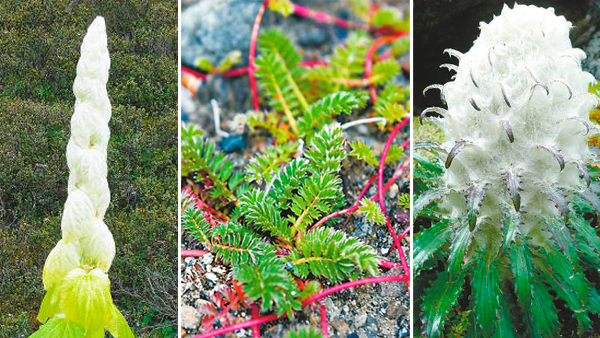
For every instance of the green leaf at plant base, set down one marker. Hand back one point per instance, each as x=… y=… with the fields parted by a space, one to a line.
x=585 y=231
x=522 y=268
x=543 y=311
x=570 y=286
x=428 y=241
x=59 y=328
x=504 y=326
x=486 y=288
x=85 y=298
x=439 y=298
x=458 y=250
x=428 y=197
x=118 y=326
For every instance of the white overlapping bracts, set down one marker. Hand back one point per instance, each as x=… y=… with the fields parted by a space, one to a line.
x=84 y=233
x=75 y=277
x=517 y=120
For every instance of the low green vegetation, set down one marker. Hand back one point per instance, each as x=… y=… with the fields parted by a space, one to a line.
x=39 y=48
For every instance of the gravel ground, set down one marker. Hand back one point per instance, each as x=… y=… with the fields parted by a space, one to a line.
x=380 y=310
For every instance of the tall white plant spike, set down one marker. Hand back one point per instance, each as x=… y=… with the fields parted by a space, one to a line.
x=517 y=121
x=75 y=274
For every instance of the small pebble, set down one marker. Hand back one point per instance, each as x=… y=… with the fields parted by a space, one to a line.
x=360 y=319
x=190 y=318
x=341 y=327
x=212 y=277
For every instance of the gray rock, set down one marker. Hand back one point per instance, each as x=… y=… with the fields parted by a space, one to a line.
x=360 y=319
x=190 y=318
x=212 y=29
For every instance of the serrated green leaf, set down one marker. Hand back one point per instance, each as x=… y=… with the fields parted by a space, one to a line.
x=504 y=326
x=486 y=288
x=439 y=298
x=305 y=332
x=522 y=268
x=372 y=211
x=283 y=7
x=458 y=250
x=510 y=227
x=363 y=152
x=428 y=197
x=427 y=242
x=543 y=311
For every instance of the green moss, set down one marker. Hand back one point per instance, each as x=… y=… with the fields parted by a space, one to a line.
x=39 y=49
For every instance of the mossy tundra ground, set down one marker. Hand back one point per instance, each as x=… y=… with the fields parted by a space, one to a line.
x=39 y=49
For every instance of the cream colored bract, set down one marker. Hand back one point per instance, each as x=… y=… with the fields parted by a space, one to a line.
x=78 y=299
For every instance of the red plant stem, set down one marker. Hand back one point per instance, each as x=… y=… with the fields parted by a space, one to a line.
x=244 y=70
x=199 y=253
x=388 y=264
x=239 y=326
x=193 y=73
x=369 y=61
x=255 y=328
x=314 y=298
x=310 y=64
x=397 y=174
x=326 y=18
x=334 y=215
x=364 y=189
x=324 y=321
x=402 y=235
x=193 y=253
x=340 y=287
x=252 y=55
x=386 y=148
x=229 y=306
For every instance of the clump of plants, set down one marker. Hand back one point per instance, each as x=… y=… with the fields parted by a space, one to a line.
x=506 y=205
x=271 y=222
x=78 y=302
x=268 y=240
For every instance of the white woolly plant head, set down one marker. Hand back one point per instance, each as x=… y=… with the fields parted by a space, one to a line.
x=75 y=274
x=516 y=122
